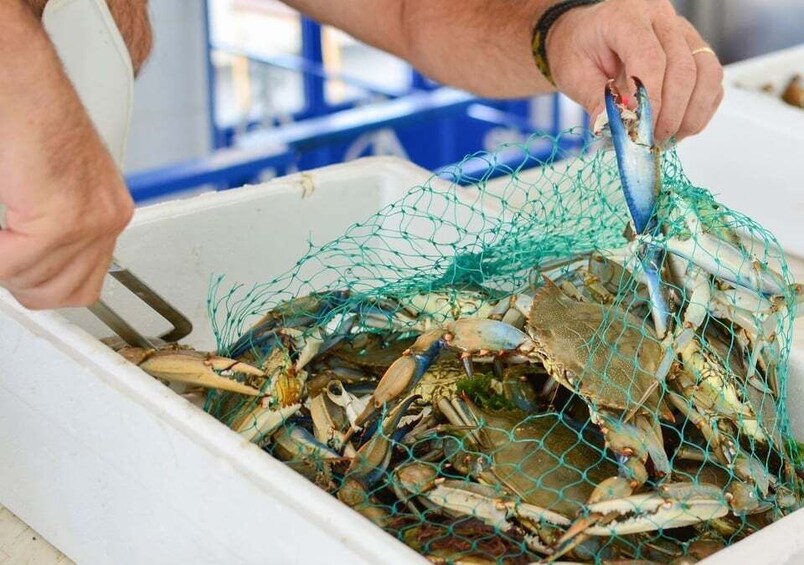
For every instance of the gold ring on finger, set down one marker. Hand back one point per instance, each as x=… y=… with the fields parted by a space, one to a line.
x=704 y=50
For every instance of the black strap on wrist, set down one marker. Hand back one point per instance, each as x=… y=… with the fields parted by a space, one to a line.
x=539 y=40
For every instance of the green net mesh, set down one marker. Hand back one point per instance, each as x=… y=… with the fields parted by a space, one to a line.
x=475 y=369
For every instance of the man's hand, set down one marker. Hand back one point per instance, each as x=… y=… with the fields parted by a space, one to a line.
x=65 y=197
x=642 y=38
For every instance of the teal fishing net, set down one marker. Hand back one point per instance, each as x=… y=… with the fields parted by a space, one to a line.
x=475 y=368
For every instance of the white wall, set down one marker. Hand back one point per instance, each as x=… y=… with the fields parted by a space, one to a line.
x=170 y=120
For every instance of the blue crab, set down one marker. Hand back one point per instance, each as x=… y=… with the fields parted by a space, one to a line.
x=692 y=249
x=675 y=247
x=557 y=334
x=535 y=474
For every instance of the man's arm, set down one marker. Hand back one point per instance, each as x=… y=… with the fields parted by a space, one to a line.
x=477 y=45
x=66 y=201
x=484 y=47
x=132 y=20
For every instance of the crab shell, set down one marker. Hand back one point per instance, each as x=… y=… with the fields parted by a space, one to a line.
x=614 y=369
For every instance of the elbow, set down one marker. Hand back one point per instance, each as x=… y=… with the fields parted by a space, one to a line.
x=415 y=44
x=423 y=45
x=403 y=45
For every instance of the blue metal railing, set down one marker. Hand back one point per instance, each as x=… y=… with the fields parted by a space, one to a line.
x=435 y=125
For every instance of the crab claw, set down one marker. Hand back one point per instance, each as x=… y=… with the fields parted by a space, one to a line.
x=637 y=158
x=638 y=162
x=675 y=505
x=402 y=375
x=372 y=459
x=182 y=365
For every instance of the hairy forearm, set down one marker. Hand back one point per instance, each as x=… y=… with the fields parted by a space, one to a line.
x=480 y=46
x=132 y=20
x=38 y=105
x=65 y=199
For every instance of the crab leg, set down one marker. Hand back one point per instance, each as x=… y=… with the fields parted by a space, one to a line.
x=369 y=465
x=263 y=420
x=297 y=314
x=348 y=402
x=300 y=443
x=373 y=457
x=675 y=505
x=722 y=260
x=330 y=419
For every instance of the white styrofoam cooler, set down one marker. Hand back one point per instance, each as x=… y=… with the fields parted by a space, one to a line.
x=751 y=154
x=114 y=468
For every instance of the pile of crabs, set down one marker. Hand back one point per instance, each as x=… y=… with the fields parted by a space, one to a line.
x=625 y=404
